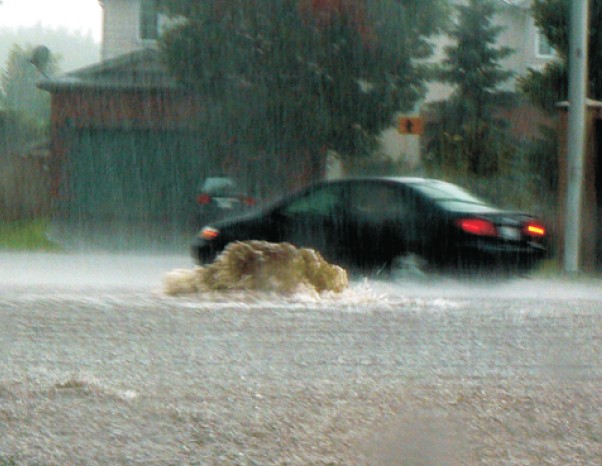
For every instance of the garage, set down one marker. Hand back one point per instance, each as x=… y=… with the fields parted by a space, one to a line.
x=131 y=175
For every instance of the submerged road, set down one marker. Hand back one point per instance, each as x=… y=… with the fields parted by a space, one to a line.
x=98 y=366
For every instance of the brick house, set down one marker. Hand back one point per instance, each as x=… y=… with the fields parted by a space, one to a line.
x=121 y=139
x=124 y=141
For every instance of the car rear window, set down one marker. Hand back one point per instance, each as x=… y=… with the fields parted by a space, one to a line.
x=467 y=207
x=441 y=191
x=217 y=184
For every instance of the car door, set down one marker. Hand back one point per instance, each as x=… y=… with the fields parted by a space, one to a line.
x=315 y=219
x=383 y=220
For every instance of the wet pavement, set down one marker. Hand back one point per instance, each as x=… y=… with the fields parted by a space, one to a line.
x=98 y=366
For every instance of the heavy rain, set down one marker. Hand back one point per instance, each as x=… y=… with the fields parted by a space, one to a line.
x=301 y=232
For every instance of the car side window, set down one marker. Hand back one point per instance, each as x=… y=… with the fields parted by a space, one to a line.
x=380 y=202
x=324 y=201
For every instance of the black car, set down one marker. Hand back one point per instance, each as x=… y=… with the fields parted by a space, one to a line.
x=221 y=196
x=370 y=222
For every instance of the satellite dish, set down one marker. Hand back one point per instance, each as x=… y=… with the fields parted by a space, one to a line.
x=40 y=57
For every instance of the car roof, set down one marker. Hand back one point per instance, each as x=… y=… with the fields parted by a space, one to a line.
x=394 y=179
x=402 y=179
x=432 y=188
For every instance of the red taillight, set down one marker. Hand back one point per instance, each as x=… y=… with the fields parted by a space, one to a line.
x=535 y=229
x=477 y=226
x=209 y=233
x=249 y=201
x=203 y=199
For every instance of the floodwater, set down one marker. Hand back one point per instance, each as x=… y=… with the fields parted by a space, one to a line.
x=82 y=270
x=98 y=366
x=139 y=271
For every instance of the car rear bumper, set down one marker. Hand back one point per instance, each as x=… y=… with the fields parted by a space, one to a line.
x=523 y=255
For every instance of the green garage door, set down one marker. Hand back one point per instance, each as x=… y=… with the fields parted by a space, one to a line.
x=137 y=175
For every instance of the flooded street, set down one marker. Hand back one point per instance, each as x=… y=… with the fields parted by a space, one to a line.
x=98 y=366
x=274 y=141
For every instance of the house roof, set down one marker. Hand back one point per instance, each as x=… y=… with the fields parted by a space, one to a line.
x=142 y=69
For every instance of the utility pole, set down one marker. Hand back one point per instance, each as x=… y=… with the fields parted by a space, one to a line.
x=577 y=61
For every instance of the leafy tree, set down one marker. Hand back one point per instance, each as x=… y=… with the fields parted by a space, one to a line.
x=548 y=86
x=466 y=134
x=24 y=109
x=286 y=75
x=16 y=131
x=71 y=49
x=19 y=90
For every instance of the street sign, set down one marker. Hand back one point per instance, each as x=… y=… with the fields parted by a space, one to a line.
x=410 y=125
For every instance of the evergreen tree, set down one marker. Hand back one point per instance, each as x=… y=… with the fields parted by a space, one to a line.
x=548 y=86
x=290 y=75
x=466 y=134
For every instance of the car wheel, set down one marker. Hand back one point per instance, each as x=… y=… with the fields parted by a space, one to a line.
x=410 y=265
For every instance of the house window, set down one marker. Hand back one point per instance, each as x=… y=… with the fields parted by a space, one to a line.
x=542 y=46
x=149 y=20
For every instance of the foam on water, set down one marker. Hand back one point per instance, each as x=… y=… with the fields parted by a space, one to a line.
x=258 y=273
x=94 y=385
x=362 y=295
x=49 y=380
x=260 y=266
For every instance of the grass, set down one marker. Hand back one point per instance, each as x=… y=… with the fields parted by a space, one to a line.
x=552 y=268
x=25 y=235
x=8 y=461
x=547 y=268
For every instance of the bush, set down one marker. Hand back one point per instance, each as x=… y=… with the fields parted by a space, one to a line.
x=24 y=189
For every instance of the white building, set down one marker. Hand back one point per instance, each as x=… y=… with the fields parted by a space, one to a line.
x=530 y=46
x=130 y=25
